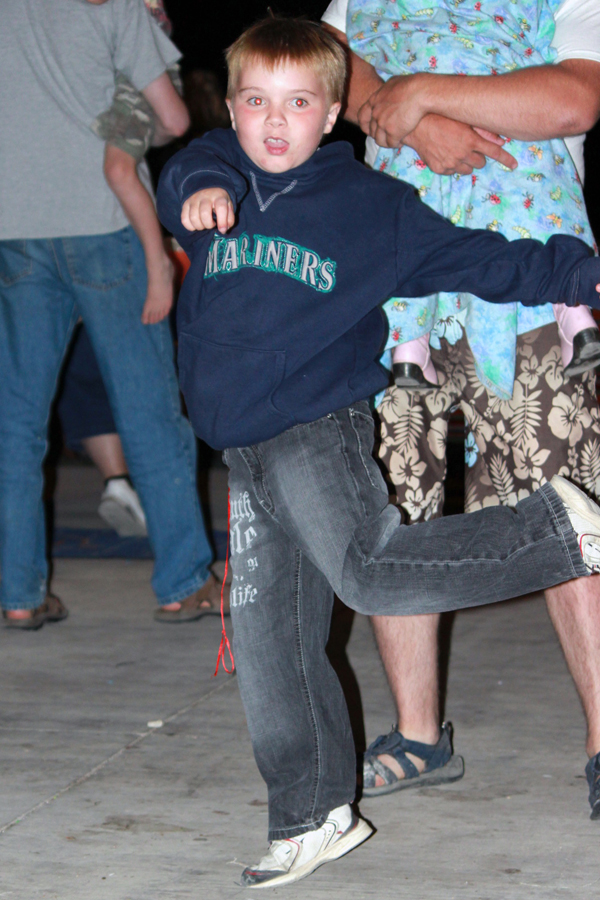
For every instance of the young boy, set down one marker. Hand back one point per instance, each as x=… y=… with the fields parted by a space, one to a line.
x=128 y=128
x=279 y=329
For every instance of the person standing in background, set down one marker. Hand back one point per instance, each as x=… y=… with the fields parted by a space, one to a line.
x=67 y=251
x=562 y=418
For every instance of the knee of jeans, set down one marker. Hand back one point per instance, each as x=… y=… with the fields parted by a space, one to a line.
x=358 y=582
x=362 y=575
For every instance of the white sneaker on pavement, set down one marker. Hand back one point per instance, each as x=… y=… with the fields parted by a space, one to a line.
x=120 y=508
x=584 y=516
x=295 y=858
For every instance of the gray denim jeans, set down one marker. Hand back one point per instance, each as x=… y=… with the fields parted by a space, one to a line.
x=310 y=517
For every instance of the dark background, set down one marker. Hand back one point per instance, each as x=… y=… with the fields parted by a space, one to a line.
x=203 y=30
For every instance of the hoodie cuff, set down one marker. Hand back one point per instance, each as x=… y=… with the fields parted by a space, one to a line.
x=582 y=284
x=201 y=181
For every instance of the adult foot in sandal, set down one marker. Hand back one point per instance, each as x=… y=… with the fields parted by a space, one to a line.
x=204 y=602
x=392 y=763
x=51 y=610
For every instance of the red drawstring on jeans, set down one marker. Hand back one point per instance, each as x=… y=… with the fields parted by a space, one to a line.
x=225 y=645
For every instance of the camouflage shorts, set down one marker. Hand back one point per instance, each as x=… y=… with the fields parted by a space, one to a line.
x=511 y=446
x=129 y=123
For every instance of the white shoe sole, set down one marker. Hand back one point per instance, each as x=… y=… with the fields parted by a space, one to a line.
x=361 y=831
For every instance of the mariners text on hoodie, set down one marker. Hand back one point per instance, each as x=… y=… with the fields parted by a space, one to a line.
x=279 y=320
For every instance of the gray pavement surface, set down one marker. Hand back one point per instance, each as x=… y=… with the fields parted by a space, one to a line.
x=95 y=803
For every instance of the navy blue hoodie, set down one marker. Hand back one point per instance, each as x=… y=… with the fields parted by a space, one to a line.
x=279 y=320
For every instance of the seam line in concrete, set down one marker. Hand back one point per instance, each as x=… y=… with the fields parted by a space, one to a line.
x=109 y=759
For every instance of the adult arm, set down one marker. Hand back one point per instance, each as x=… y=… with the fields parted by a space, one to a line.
x=172 y=118
x=444 y=145
x=536 y=103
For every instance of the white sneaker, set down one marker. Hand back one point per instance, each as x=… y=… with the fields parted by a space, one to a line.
x=584 y=516
x=295 y=858
x=120 y=508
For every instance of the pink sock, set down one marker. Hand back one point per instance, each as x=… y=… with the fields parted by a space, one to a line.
x=571 y=320
x=417 y=352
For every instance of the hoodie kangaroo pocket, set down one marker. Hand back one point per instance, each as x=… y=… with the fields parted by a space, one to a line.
x=229 y=391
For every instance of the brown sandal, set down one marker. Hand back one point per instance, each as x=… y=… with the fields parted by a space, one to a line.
x=51 y=610
x=204 y=602
x=54 y=608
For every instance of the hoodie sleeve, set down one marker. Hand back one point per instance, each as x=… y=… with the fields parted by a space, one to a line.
x=205 y=163
x=433 y=255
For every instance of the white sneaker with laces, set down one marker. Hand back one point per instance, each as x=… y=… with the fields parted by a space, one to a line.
x=295 y=858
x=584 y=516
x=120 y=508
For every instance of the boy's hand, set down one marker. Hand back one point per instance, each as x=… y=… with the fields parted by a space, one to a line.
x=204 y=208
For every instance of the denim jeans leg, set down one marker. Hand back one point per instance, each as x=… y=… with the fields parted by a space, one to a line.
x=108 y=279
x=323 y=501
x=281 y=612
x=36 y=320
x=331 y=500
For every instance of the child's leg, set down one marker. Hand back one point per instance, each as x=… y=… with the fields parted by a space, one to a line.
x=412 y=365
x=281 y=613
x=579 y=338
x=309 y=514
x=327 y=493
x=120 y=170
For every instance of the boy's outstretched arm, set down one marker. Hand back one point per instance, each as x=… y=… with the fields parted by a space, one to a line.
x=203 y=166
x=434 y=255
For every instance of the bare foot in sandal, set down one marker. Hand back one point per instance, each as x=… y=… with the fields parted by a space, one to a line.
x=51 y=610
x=393 y=762
x=204 y=602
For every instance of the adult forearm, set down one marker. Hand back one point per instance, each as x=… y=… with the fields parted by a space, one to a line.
x=363 y=80
x=537 y=103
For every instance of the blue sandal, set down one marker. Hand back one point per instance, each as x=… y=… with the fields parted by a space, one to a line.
x=441 y=767
x=592 y=772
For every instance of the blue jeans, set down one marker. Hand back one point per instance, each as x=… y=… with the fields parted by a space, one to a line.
x=44 y=286
x=310 y=516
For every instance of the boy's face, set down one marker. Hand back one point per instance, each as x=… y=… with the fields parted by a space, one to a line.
x=281 y=115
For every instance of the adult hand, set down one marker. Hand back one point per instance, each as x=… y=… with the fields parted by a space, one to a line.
x=394 y=110
x=449 y=147
x=203 y=209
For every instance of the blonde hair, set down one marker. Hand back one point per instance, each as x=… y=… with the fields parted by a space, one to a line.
x=277 y=40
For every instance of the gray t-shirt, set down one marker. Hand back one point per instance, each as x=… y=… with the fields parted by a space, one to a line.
x=58 y=60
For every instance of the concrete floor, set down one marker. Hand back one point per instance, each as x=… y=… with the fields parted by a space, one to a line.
x=94 y=803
